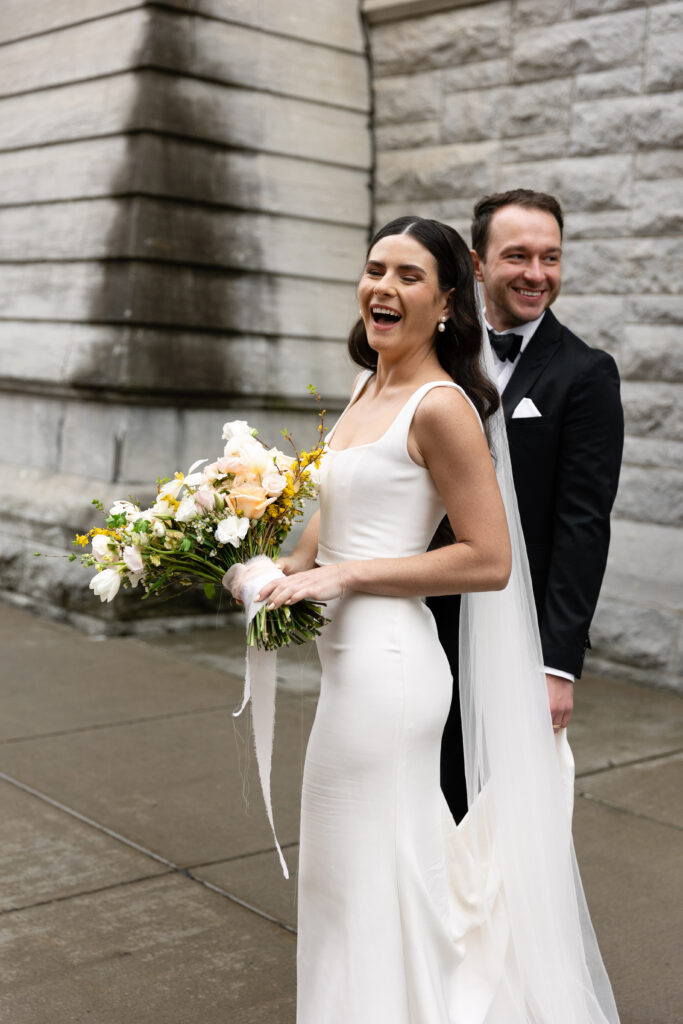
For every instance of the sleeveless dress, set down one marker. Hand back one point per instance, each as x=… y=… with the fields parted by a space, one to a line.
x=401 y=913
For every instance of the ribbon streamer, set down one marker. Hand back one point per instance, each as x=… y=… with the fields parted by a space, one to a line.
x=260 y=678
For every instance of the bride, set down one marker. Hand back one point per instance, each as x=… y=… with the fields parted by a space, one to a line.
x=404 y=917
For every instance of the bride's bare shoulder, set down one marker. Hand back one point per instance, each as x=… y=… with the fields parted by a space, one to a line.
x=446 y=408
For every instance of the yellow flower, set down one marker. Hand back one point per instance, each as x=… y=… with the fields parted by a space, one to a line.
x=82 y=539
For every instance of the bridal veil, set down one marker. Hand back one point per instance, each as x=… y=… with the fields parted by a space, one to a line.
x=527 y=772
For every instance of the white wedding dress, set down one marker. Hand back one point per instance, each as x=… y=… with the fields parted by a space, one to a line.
x=403 y=916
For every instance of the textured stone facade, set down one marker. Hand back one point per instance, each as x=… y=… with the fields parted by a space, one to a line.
x=184 y=197
x=581 y=98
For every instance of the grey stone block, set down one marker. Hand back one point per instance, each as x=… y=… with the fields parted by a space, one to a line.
x=410 y=98
x=587 y=7
x=473 y=114
x=635 y=635
x=529 y=13
x=31 y=431
x=441 y=40
x=436 y=172
x=598 y=319
x=664 y=68
x=655 y=309
x=645 y=451
x=659 y=163
x=650 y=495
x=201 y=110
x=666 y=17
x=658 y=207
x=583 y=45
x=580 y=183
x=533 y=109
x=653 y=409
x=456 y=212
x=652 y=352
x=169 y=295
x=186 y=170
x=534 y=147
x=143 y=228
x=418 y=133
x=620 y=82
x=645 y=265
x=326 y=20
x=508 y=112
x=476 y=75
x=598 y=224
x=626 y=124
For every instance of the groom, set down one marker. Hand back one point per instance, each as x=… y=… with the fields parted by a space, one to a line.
x=565 y=428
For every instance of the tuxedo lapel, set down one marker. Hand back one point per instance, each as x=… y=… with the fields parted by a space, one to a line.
x=532 y=362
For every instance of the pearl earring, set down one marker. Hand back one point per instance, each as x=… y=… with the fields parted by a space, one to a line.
x=441 y=326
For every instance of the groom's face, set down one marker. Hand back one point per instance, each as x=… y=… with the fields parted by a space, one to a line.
x=521 y=271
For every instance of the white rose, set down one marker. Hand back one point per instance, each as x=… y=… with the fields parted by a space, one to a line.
x=232 y=530
x=235 y=428
x=105 y=584
x=186 y=511
x=273 y=482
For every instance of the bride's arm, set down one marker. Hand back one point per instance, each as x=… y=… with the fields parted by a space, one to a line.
x=303 y=555
x=451 y=442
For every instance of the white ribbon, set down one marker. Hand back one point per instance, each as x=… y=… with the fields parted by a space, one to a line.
x=244 y=582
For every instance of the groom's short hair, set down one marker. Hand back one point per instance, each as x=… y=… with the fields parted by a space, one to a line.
x=485 y=208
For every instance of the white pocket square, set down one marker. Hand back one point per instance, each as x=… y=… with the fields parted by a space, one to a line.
x=525 y=410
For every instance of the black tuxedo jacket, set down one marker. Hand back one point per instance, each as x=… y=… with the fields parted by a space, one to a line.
x=565 y=465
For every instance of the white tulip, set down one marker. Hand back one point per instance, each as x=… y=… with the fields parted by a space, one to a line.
x=101 y=549
x=105 y=584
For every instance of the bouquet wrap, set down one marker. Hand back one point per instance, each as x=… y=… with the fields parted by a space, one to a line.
x=260 y=677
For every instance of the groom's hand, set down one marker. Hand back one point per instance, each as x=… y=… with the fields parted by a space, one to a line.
x=561 y=697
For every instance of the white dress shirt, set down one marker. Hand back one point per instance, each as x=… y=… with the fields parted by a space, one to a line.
x=504 y=370
x=506 y=367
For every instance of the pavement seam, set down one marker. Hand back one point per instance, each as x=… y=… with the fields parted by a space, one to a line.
x=627 y=810
x=629 y=764
x=116 y=725
x=131 y=844
x=84 y=892
x=240 y=856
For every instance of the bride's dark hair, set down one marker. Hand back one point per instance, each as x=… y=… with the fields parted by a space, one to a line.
x=458 y=348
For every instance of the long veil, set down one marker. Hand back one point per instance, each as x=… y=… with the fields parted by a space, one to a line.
x=528 y=773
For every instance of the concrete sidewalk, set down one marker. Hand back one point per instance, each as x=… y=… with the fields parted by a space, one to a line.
x=136 y=888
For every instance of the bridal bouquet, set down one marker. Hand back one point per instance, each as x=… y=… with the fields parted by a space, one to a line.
x=234 y=509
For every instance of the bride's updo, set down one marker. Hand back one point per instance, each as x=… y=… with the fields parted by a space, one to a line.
x=458 y=348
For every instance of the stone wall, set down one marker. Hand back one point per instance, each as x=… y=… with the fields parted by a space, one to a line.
x=581 y=98
x=184 y=200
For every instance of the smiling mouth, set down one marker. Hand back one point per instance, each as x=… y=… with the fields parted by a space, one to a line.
x=384 y=315
x=529 y=293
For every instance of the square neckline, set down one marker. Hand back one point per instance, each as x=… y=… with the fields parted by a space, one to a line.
x=356 y=397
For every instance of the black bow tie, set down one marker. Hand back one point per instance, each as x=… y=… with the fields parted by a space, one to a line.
x=506 y=346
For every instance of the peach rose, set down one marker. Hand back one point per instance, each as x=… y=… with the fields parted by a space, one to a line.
x=250 y=499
